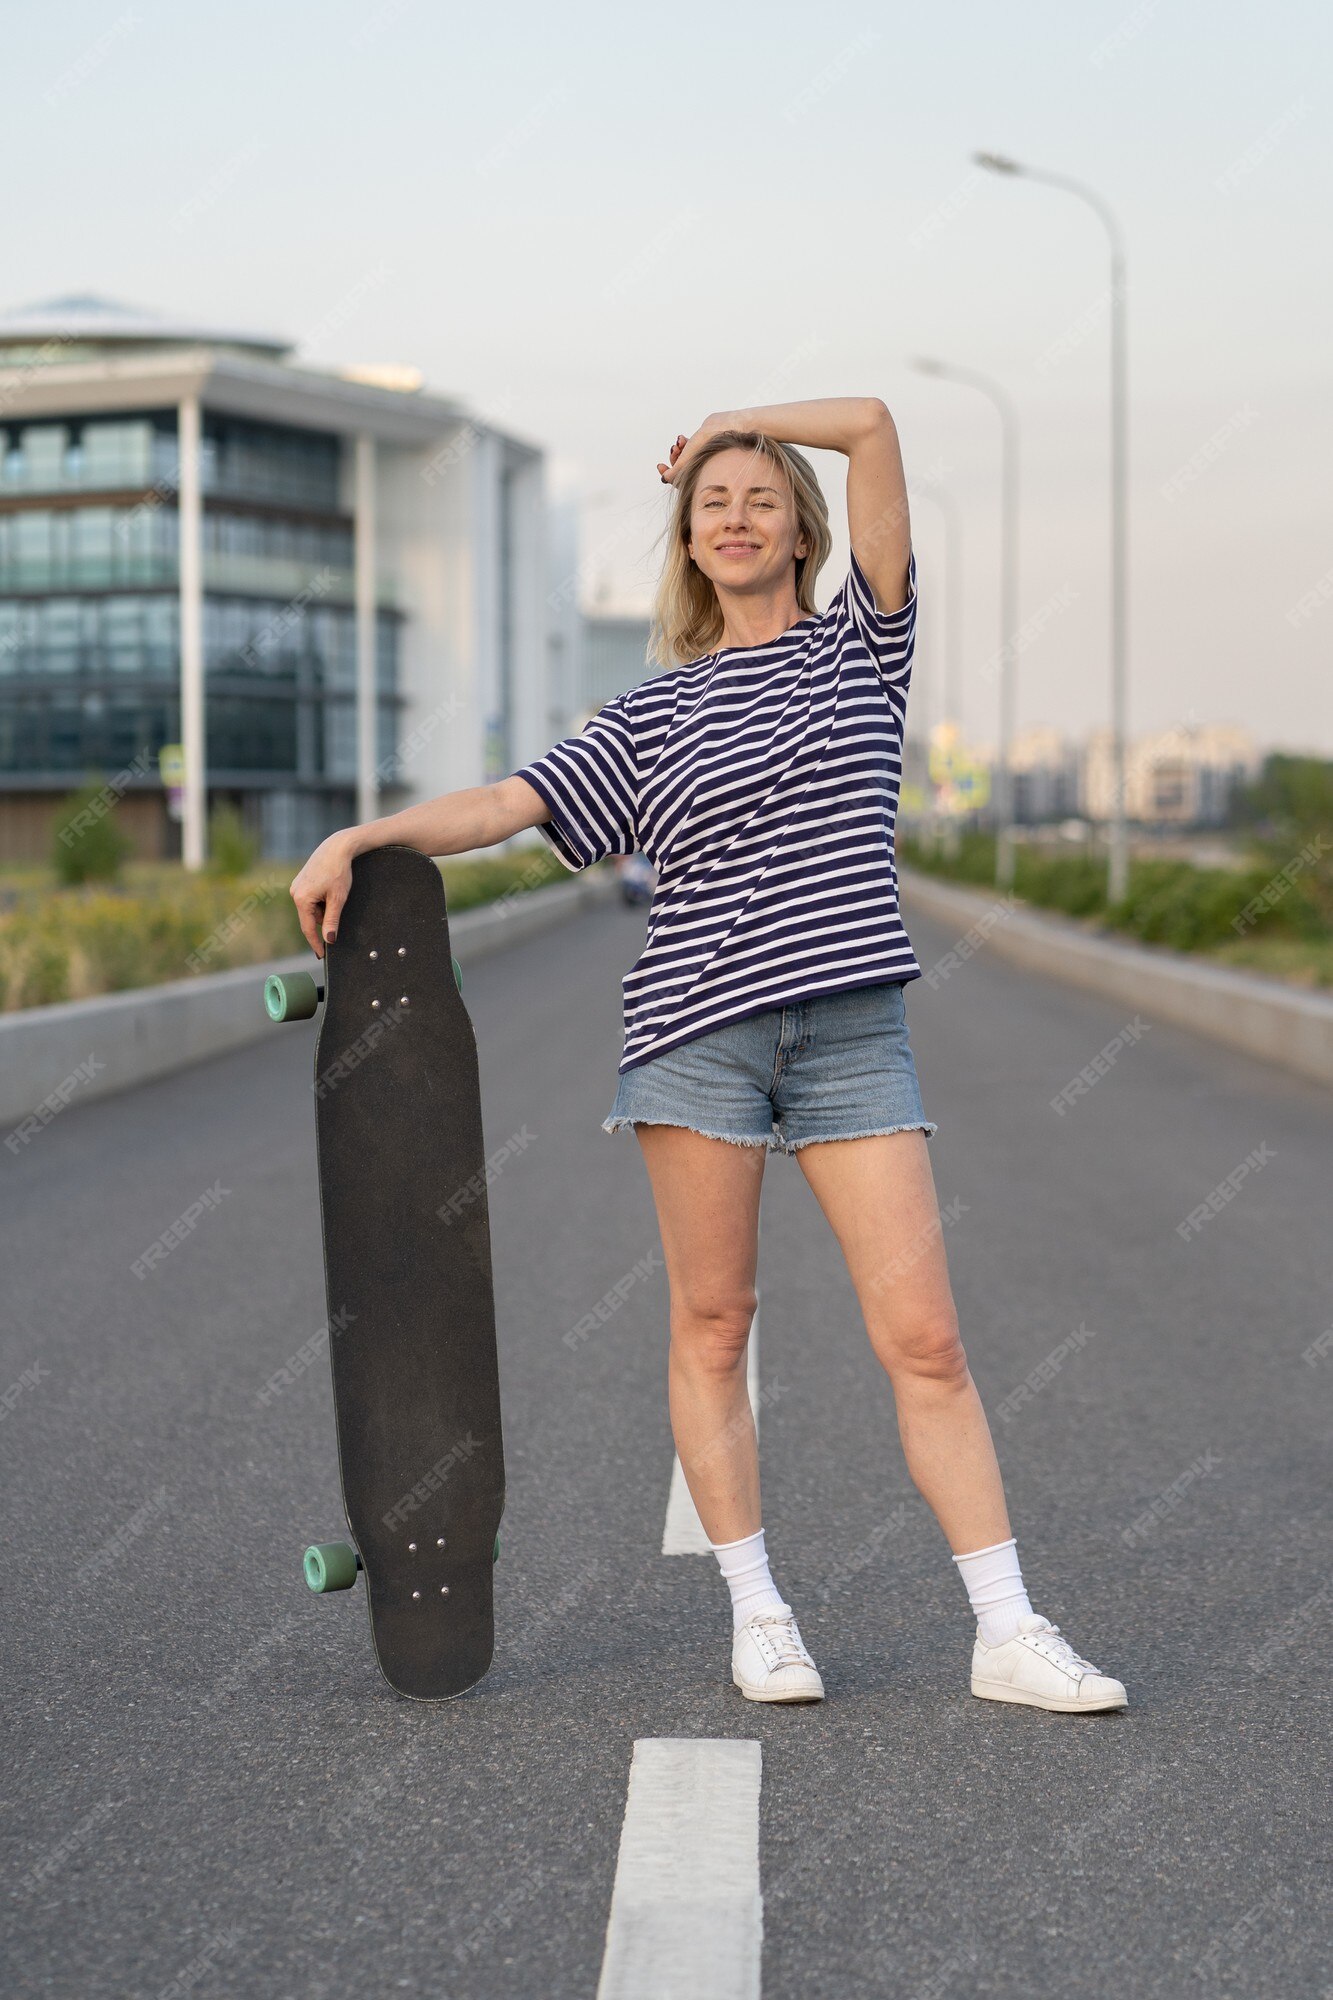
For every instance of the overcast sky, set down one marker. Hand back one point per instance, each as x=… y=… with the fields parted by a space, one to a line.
x=596 y=224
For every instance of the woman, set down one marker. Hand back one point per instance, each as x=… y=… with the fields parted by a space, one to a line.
x=760 y=774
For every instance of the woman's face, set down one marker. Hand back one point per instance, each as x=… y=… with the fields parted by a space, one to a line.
x=743 y=528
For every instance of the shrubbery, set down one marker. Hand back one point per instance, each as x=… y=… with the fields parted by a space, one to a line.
x=74 y=943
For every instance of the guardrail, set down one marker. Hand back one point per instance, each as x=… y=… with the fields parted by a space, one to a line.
x=1279 y=1024
x=81 y=1049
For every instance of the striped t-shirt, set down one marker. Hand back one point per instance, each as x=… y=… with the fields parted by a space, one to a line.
x=762 y=782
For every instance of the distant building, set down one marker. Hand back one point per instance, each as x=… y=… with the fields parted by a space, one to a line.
x=615 y=657
x=1045 y=768
x=1185 y=776
x=334 y=590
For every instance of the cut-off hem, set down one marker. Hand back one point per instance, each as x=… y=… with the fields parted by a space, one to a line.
x=925 y=1125
x=613 y=1125
x=774 y=1142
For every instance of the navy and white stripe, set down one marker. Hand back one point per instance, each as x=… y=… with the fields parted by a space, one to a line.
x=762 y=782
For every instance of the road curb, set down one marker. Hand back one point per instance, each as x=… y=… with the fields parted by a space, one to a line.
x=1279 y=1024
x=81 y=1049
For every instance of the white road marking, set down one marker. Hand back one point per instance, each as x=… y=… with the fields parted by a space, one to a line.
x=684 y=1532
x=686 y=1913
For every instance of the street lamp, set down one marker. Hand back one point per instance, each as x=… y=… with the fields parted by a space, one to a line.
x=1004 y=789
x=951 y=595
x=998 y=163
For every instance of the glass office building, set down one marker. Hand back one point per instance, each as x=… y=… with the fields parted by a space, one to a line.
x=93 y=587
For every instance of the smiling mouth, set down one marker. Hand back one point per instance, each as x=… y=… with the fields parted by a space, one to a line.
x=737 y=548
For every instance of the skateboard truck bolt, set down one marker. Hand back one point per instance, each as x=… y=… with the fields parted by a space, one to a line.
x=404 y=1002
x=374 y=954
x=374 y=1006
x=439 y=1541
x=444 y=1590
x=402 y=951
x=415 y=1595
x=411 y=1548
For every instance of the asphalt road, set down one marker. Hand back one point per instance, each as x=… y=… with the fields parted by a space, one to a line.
x=207 y=1787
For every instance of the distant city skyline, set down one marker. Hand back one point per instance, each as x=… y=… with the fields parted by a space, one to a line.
x=600 y=226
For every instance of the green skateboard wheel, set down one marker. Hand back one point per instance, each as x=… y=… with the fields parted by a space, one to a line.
x=458 y=975
x=331 y=1566
x=290 y=996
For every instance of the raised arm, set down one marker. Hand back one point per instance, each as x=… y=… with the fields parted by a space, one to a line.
x=862 y=428
x=454 y=823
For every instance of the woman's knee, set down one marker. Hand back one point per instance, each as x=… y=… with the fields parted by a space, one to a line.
x=929 y=1348
x=712 y=1332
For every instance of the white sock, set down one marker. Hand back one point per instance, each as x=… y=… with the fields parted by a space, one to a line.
x=744 y=1564
x=995 y=1590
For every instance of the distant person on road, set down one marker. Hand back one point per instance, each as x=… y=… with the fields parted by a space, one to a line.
x=760 y=774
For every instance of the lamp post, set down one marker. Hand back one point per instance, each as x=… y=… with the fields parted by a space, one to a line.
x=951 y=594
x=998 y=163
x=1004 y=789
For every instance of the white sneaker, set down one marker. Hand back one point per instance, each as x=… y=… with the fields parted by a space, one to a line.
x=1040 y=1668
x=769 y=1661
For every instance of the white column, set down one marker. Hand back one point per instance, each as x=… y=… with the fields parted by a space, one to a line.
x=367 y=784
x=194 y=823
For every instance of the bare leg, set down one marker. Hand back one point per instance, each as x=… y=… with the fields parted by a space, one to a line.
x=707 y=1196
x=879 y=1197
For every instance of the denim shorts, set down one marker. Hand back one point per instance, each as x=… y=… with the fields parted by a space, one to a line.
x=836 y=1066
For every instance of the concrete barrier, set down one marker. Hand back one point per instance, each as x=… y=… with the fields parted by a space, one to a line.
x=1280 y=1024
x=81 y=1049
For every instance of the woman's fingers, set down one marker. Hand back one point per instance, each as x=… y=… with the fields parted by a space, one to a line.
x=333 y=904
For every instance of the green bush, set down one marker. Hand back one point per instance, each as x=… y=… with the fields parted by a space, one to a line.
x=232 y=851
x=87 y=845
x=69 y=944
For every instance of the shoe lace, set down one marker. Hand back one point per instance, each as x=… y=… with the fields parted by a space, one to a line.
x=1056 y=1647
x=779 y=1635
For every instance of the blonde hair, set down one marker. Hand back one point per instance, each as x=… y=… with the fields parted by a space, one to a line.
x=687 y=618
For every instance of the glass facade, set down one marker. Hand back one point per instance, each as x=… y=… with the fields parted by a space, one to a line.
x=89 y=608
x=238 y=458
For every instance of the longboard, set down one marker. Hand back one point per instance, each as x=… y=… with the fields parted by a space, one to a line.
x=407 y=1263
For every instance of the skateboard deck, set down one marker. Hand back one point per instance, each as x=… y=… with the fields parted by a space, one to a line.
x=407 y=1261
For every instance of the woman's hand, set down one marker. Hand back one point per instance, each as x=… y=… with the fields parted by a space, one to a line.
x=320 y=890
x=686 y=448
